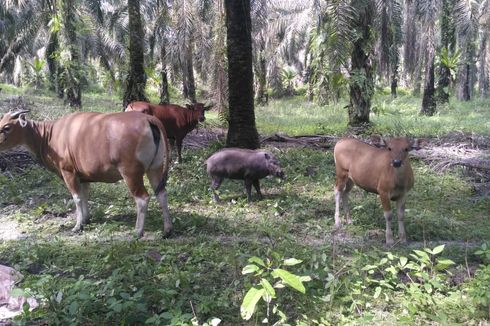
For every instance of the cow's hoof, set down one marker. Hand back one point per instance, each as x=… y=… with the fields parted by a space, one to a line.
x=77 y=229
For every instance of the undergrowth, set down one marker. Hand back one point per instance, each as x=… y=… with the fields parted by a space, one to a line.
x=104 y=276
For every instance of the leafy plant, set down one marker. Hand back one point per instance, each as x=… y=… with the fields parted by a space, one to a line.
x=265 y=273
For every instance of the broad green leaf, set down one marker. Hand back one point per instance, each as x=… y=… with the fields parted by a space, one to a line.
x=268 y=287
x=257 y=261
x=305 y=278
x=289 y=279
x=377 y=292
x=250 y=301
x=403 y=261
x=292 y=262
x=250 y=269
x=444 y=263
x=438 y=249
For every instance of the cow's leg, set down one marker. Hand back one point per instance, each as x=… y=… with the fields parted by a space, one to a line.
x=73 y=185
x=178 y=142
x=257 y=188
x=345 y=200
x=155 y=176
x=385 y=202
x=216 y=182
x=136 y=187
x=400 y=210
x=339 y=189
x=84 y=190
x=248 y=188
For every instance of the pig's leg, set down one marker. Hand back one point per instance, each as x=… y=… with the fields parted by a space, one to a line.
x=248 y=187
x=257 y=188
x=215 y=185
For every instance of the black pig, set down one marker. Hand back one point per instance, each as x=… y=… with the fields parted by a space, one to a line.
x=242 y=164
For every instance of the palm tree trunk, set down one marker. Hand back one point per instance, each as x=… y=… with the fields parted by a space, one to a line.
x=164 y=95
x=72 y=69
x=448 y=41
x=465 y=74
x=483 y=76
x=362 y=84
x=261 y=73
x=242 y=131
x=136 y=82
x=188 y=83
x=428 y=100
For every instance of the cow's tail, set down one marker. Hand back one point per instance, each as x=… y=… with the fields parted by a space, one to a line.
x=159 y=135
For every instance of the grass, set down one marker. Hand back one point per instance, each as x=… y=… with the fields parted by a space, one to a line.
x=105 y=276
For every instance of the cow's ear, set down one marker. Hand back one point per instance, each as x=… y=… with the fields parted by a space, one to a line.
x=189 y=106
x=417 y=144
x=22 y=120
x=377 y=141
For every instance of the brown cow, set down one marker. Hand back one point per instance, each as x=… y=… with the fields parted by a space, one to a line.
x=384 y=171
x=89 y=147
x=177 y=120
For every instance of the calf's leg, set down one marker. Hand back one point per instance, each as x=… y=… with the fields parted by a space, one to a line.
x=400 y=210
x=84 y=189
x=155 y=176
x=385 y=202
x=342 y=187
x=178 y=142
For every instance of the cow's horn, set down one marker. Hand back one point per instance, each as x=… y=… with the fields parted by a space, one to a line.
x=17 y=113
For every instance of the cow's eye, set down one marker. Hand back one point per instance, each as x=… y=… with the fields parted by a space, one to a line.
x=406 y=149
x=389 y=148
x=6 y=128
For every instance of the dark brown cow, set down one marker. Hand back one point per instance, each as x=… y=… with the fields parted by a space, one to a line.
x=385 y=171
x=89 y=147
x=177 y=120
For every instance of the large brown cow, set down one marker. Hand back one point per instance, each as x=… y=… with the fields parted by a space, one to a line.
x=177 y=120
x=385 y=171
x=89 y=147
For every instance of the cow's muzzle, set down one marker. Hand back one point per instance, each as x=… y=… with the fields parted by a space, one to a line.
x=396 y=163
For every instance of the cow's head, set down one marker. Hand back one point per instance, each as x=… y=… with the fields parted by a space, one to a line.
x=11 y=125
x=399 y=148
x=138 y=108
x=199 y=108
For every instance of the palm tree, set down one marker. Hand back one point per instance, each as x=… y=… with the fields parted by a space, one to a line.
x=136 y=82
x=483 y=71
x=390 y=39
x=71 y=58
x=448 y=46
x=361 y=79
x=242 y=131
x=429 y=10
x=466 y=17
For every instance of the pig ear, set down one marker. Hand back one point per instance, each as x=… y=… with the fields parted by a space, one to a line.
x=267 y=156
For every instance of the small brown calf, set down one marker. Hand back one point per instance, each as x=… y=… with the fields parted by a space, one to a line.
x=385 y=171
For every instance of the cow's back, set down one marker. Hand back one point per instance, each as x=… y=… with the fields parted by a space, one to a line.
x=96 y=144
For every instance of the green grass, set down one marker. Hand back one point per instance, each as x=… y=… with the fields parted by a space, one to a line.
x=104 y=276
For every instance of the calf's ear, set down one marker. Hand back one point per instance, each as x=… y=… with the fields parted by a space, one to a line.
x=418 y=144
x=377 y=141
